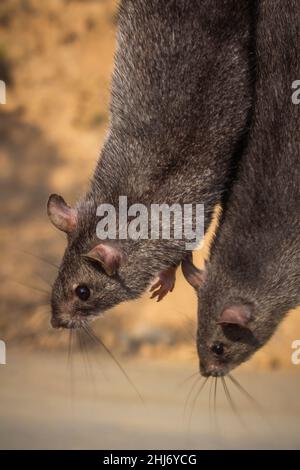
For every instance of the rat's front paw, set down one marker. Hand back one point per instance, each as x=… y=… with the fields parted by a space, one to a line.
x=165 y=284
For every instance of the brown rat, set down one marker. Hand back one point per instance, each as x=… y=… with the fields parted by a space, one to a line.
x=181 y=94
x=253 y=275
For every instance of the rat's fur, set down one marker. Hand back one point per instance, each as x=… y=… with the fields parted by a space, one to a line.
x=255 y=257
x=181 y=93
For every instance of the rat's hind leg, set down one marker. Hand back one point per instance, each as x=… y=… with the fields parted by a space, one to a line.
x=165 y=283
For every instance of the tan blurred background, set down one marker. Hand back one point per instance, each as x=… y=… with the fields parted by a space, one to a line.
x=56 y=57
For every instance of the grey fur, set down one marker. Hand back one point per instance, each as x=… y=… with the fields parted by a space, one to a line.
x=181 y=94
x=255 y=257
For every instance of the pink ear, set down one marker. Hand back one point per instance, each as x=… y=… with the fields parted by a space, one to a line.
x=235 y=315
x=108 y=255
x=61 y=215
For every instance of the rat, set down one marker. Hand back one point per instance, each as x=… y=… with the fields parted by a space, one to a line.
x=252 y=277
x=180 y=100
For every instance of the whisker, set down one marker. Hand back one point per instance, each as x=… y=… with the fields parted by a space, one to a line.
x=70 y=345
x=33 y=287
x=40 y=258
x=187 y=379
x=245 y=392
x=257 y=406
x=100 y=342
x=216 y=424
x=70 y=362
x=210 y=399
x=44 y=280
x=228 y=396
x=192 y=388
x=96 y=358
x=231 y=402
x=215 y=400
x=89 y=370
x=45 y=314
x=42 y=306
x=195 y=399
x=79 y=342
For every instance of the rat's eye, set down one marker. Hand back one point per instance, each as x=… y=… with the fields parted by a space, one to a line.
x=82 y=292
x=218 y=348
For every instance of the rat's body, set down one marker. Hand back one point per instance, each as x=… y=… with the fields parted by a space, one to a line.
x=253 y=275
x=181 y=93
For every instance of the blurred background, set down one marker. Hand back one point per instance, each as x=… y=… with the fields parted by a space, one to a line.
x=56 y=59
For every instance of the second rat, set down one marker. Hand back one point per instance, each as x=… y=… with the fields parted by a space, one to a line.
x=253 y=274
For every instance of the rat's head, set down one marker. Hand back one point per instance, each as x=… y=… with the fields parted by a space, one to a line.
x=89 y=280
x=226 y=340
x=235 y=319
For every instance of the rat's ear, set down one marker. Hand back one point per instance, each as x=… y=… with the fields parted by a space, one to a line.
x=236 y=315
x=108 y=255
x=61 y=215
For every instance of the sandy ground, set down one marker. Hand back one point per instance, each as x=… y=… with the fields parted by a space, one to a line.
x=41 y=406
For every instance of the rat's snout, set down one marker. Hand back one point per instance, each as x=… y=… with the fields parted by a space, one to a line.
x=57 y=322
x=66 y=320
x=61 y=315
x=212 y=370
x=59 y=319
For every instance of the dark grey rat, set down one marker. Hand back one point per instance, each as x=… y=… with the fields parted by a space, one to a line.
x=253 y=275
x=181 y=94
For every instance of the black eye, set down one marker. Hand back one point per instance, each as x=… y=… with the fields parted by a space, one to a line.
x=82 y=292
x=218 y=348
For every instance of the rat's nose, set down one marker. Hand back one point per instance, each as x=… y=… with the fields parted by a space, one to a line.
x=56 y=322
x=212 y=370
